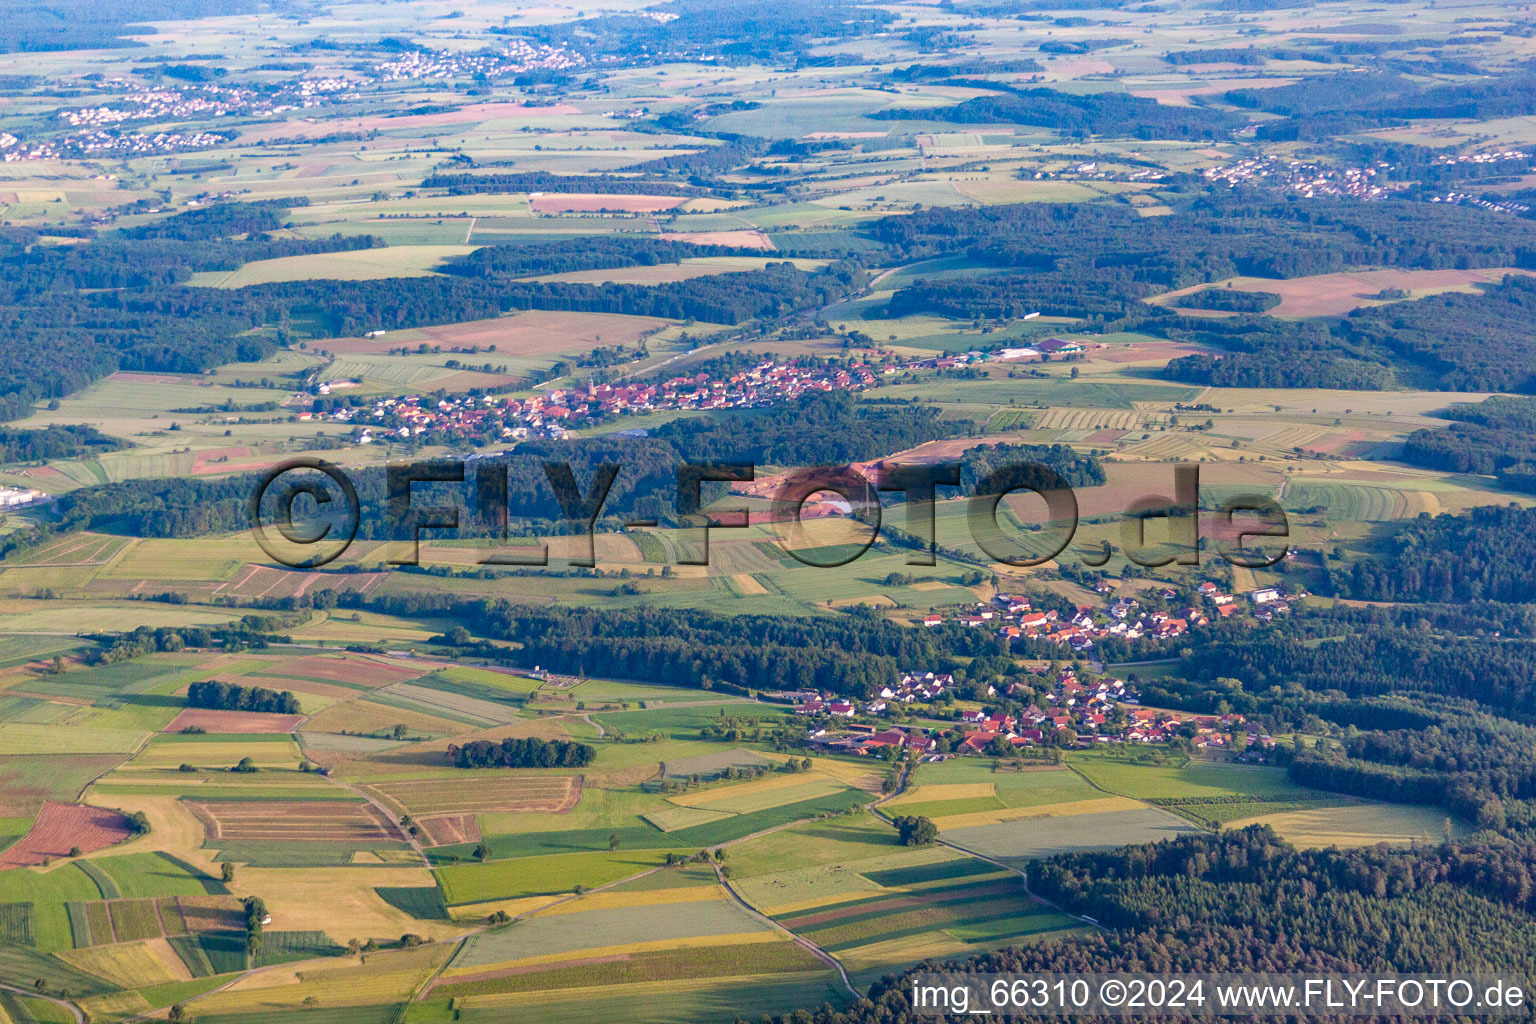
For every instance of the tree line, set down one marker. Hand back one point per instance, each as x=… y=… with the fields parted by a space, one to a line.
x=521 y=752
x=234 y=697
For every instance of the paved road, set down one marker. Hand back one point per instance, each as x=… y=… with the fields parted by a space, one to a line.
x=798 y=940
x=71 y=1007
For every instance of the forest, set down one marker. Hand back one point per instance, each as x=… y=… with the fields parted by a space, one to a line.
x=1228 y=300
x=1100 y=113
x=66 y=441
x=746 y=30
x=87 y=25
x=568 y=254
x=1099 y=261
x=1466 y=342
x=1452 y=342
x=1496 y=437
x=853 y=655
x=1485 y=555
x=1261 y=352
x=1324 y=106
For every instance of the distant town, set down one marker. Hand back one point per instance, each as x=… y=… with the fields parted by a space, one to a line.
x=559 y=411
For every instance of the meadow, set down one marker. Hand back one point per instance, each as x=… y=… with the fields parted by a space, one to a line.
x=1017 y=841
x=532 y=876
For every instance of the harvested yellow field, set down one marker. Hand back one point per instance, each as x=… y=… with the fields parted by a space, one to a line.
x=476 y=913
x=748 y=585
x=845 y=771
x=642 y=898
x=284 y=754
x=115 y=1004
x=800 y=906
x=902 y=950
x=370 y=980
x=363 y=716
x=361 y=987
x=1356 y=825
x=931 y=585
x=161 y=950
x=127 y=964
x=172 y=827
x=945 y=791
x=1100 y=806
x=341 y=901
x=670 y=819
x=724 y=798
x=652 y=946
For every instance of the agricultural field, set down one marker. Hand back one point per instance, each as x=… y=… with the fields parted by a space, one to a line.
x=535 y=876
x=1359 y=824
x=321 y=821
x=1023 y=839
x=60 y=828
x=505 y=794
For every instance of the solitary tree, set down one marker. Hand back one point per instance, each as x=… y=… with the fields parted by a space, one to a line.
x=916 y=830
x=227 y=871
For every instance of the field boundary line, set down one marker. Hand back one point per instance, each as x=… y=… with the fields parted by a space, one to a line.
x=799 y=940
x=392 y=818
x=901 y=784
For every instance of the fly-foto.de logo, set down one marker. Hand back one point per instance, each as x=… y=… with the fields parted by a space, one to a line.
x=307 y=512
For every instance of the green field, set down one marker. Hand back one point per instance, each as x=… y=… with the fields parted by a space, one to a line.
x=1195 y=779
x=1034 y=838
x=570 y=933
x=532 y=876
x=48 y=891
x=156 y=874
x=287 y=947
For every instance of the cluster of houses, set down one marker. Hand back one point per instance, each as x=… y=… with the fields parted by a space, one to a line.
x=556 y=412
x=515 y=57
x=1066 y=712
x=1478 y=200
x=169 y=103
x=1014 y=617
x=1304 y=177
x=1370 y=182
x=130 y=101
x=104 y=143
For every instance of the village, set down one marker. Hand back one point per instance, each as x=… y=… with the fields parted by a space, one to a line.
x=1312 y=180
x=557 y=412
x=1064 y=710
x=196 y=101
x=1015 y=618
x=1056 y=712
